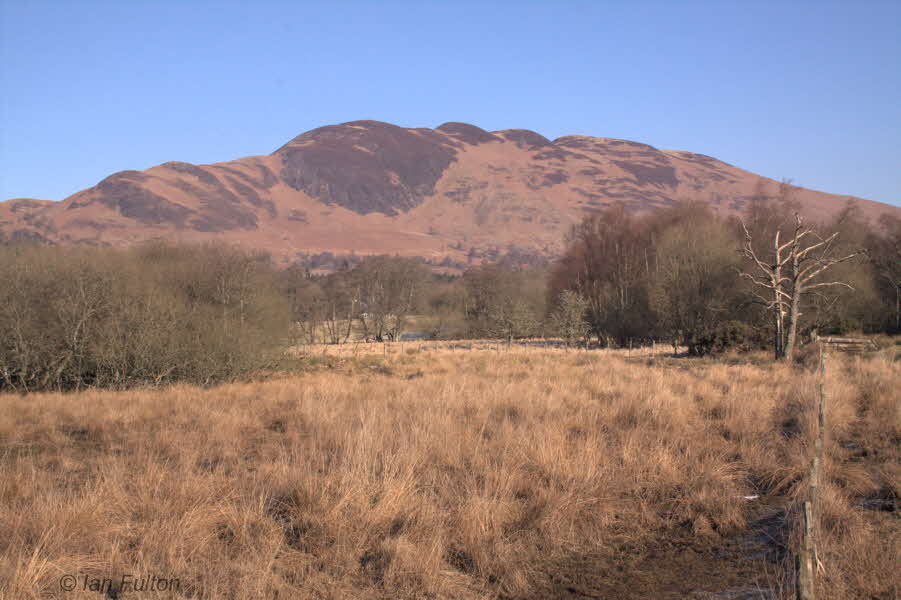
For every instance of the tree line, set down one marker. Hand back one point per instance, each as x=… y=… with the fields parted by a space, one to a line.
x=766 y=279
x=158 y=313
x=682 y=274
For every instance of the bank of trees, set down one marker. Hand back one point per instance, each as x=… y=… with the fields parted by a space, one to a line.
x=767 y=279
x=668 y=275
x=85 y=317
x=376 y=297
x=682 y=274
x=82 y=316
x=503 y=302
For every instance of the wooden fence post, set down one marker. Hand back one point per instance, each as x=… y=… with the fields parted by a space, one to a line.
x=805 y=569
x=809 y=560
x=819 y=446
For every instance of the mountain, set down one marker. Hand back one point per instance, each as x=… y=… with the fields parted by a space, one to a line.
x=453 y=194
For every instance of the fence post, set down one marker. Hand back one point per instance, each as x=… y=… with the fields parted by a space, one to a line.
x=805 y=569
x=819 y=448
x=808 y=559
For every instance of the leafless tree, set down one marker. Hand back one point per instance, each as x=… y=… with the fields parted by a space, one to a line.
x=390 y=290
x=885 y=256
x=771 y=279
x=340 y=306
x=608 y=262
x=307 y=301
x=789 y=274
x=498 y=302
x=694 y=271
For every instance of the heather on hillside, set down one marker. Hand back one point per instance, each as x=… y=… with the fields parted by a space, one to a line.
x=456 y=195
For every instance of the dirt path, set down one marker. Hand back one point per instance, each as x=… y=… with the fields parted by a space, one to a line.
x=743 y=566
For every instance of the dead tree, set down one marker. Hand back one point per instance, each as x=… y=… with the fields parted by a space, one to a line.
x=772 y=280
x=789 y=276
x=806 y=264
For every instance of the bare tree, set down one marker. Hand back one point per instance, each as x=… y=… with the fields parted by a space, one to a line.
x=390 y=291
x=498 y=302
x=307 y=302
x=807 y=263
x=789 y=275
x=885 y=255
x=608 y=262
x=341 y=301
x=771 y=279
x=689 y=290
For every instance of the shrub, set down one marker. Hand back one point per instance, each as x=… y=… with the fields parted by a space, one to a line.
x=100 y=317
x=568 y=319
x=842 y=326
x=731 y=335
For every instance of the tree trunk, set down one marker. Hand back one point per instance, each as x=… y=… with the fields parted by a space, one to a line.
x=793 y=318
x=777 y=339
x=897 y=308
x=778 y=347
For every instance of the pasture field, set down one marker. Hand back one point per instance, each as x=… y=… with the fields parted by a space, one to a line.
x=437 y=471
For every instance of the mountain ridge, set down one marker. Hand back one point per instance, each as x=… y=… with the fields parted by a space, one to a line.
x=456 y=193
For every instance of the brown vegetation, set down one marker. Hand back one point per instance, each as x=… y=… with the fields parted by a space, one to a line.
x=687 y=275
x=520 y=474
x=94 y=317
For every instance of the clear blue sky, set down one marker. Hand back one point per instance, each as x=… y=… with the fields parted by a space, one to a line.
x=805 y=90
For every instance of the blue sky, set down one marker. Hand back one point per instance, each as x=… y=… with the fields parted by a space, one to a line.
x=804 y=90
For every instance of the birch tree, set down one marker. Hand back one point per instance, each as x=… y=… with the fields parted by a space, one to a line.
x=692 y=279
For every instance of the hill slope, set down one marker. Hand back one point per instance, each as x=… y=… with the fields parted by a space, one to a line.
x=456 y=193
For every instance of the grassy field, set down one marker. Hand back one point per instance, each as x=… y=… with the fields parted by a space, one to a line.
x=444 y=473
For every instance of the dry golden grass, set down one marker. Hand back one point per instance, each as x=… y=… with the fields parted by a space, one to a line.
x=449 y=474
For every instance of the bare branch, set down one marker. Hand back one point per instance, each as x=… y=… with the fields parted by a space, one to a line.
x=803 y=253
x=827 y=283
x=805 y=275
